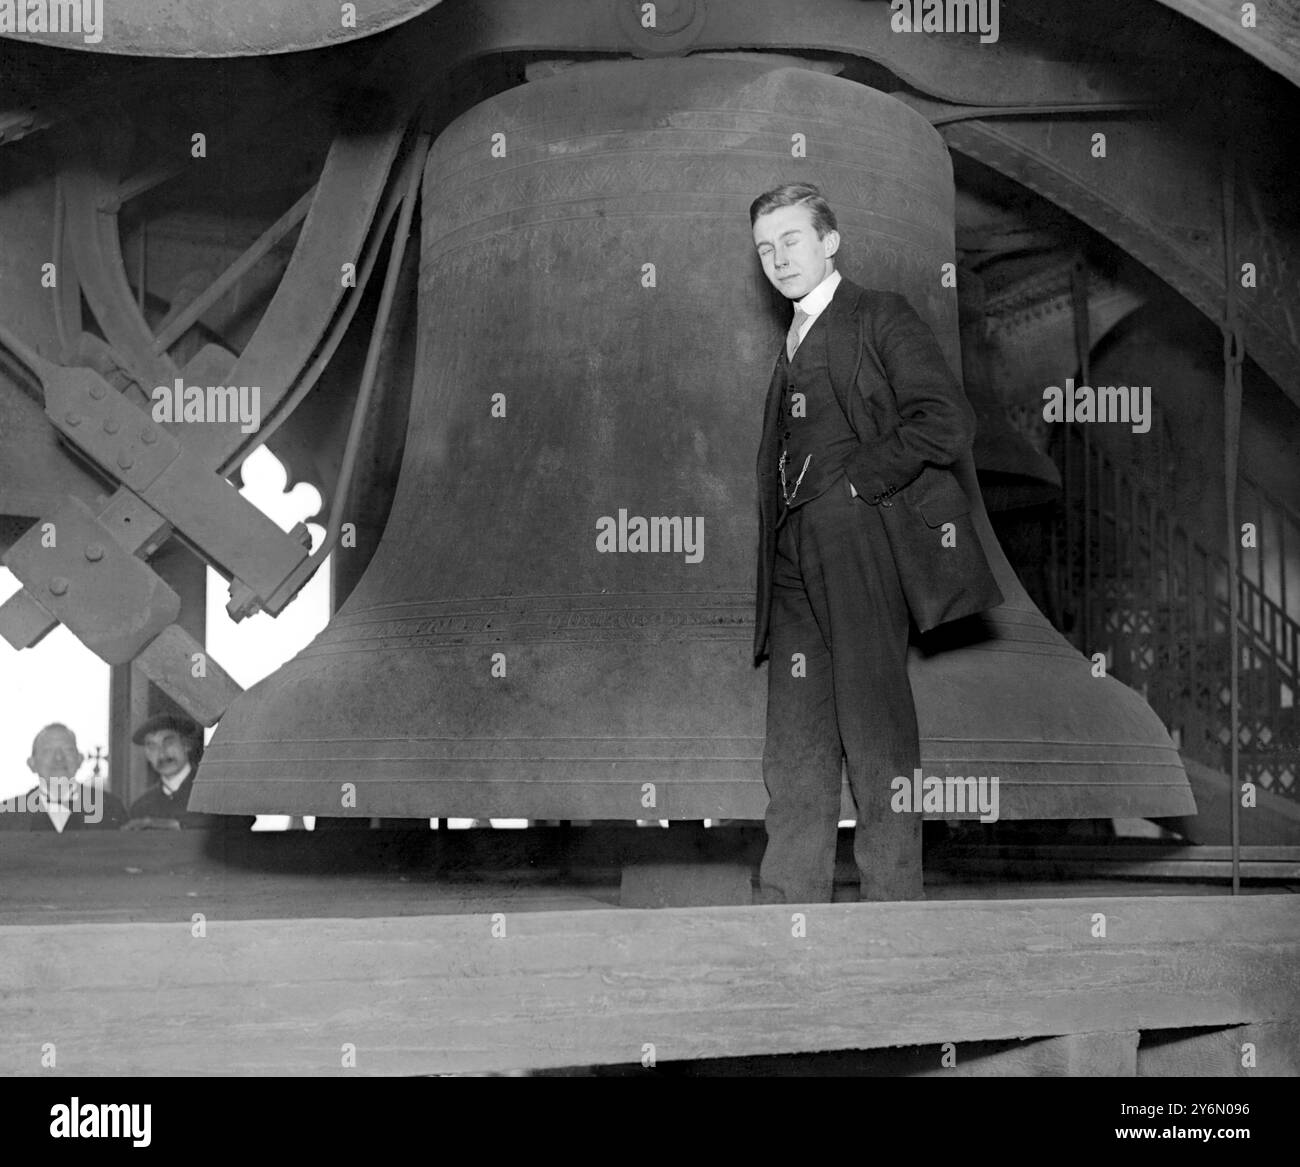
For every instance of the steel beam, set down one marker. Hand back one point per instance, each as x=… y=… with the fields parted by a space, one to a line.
x=1274 y=40
x=1157 y=196
x=233 y=28
x=954 y=68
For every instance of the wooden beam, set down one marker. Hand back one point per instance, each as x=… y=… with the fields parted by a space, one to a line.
x=185 y=316
x=1121 y=850
x=114 y=876
x=1115 y=860
x=499 y=989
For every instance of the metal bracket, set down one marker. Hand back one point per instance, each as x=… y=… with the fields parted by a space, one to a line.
x=81 y=575
x=123 y=440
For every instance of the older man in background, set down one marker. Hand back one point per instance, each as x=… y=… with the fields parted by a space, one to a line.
x=59 y=802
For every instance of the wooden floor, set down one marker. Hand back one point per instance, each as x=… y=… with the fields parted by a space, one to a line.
x=159 y=876
x=175 y=953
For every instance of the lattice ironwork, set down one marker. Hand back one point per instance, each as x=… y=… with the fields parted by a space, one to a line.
x=1138 y=588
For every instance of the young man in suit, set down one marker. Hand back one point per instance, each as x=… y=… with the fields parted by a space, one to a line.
x=61 y=803
x=830 y=600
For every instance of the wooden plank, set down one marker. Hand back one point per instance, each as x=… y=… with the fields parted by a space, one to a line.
x=1223 y=1052
x=1118 y=868
x=1121 y=859
x=1113 y=849
x=421 y=995
x=159 y=876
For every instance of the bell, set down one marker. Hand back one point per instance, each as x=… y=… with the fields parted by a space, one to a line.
x=557 y=623
x=1011 y=470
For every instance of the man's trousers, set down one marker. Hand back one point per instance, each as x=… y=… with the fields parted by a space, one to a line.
x=838 y=691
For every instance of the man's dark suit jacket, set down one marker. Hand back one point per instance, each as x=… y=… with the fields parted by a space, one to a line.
x=874 y=340
x=154 y=804
x=113 y=815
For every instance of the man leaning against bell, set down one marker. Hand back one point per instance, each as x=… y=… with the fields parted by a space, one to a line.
x=831 y=610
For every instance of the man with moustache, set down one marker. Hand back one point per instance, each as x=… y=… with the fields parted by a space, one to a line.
x=835 y=449
x=173 y=746
x=61 y=803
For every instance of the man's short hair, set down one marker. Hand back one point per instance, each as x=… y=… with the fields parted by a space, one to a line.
x=53 y=725
x=793 y=194
x=191 y=731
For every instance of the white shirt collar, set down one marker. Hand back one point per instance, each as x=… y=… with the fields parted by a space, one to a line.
x=59 y=812
x=815 y=301
x=48 y=800
x=172 y=784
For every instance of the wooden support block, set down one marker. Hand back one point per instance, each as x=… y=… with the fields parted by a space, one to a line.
x=1187 y=1053
x=169 y=662
x=24 y=623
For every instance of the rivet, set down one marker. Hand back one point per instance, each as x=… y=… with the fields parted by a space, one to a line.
x=111 y=425
x=72 y=417
x=97 y=390
x=124 y=461
x=58 y=586
x=94 y=552
x=148 y=436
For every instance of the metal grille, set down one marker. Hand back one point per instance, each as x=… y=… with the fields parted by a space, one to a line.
x=1138 y=587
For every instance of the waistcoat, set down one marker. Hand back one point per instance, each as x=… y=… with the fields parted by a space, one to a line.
x=814 y=424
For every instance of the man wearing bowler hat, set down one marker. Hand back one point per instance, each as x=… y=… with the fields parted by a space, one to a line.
x=860 y=404
x=173 y=745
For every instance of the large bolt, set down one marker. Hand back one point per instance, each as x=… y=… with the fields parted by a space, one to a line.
x=58 y=586
x=124 y=461
x=94 y=552
x=148 y=436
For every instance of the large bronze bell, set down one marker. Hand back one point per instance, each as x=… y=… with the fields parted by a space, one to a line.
x=596 y=339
